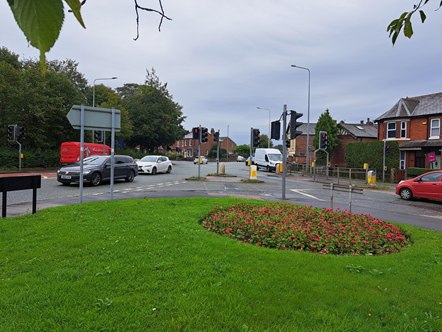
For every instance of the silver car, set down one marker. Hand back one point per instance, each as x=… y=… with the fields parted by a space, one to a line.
x=154 y=165
x=203 y=160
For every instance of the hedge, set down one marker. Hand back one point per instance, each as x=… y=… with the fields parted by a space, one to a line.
x=416 y=171
x=359 y=153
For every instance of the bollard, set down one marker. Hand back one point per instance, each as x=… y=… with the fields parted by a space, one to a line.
x=222 y=168
x=253 y=173
x=278 y=168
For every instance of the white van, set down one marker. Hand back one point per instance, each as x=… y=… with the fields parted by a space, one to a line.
x=267 y=158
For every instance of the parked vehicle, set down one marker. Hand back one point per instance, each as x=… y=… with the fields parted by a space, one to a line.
x=203 y=160
x=267 y=158
x=154 y=165
x=97 y=169
x=70 y=152
x=428 y=185
x=240 y=159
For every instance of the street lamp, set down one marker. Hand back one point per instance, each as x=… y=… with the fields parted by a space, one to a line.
x=260 y=108
x=227 y=142
x=93 y=99
x=308 y=117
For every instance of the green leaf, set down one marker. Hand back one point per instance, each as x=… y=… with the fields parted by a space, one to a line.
x=76 y=6
x=408 y=30
x=41 y=22
x=423 y=16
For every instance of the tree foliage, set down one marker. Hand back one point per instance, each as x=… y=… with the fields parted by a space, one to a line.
x=264 y=141
x=326 y=123
x=243 y=150
x=156 y=118
x=404 y=21
x=213 y=151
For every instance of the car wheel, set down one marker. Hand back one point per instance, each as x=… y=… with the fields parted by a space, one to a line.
x=130 y=176
x=406 y=194
x=65 y=183
x=169 y=169
x=154 y=171
x=96 y=179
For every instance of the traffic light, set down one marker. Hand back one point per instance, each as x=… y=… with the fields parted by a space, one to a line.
x=11 y=132
x=276 y=130
x=387 y=149
x=196 y=133
x=204 y=134
x=255 y=138
x=287 y=143
x=168 y=147
x=323 y=140
x=21 y=133
x=294 y=124
x=326 y=143
x=216 y=137
x=99 y=136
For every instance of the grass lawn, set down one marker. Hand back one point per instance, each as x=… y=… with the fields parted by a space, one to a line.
x=149 y=265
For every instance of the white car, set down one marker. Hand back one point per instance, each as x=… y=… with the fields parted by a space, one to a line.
x=154 y=165
x=203 y=161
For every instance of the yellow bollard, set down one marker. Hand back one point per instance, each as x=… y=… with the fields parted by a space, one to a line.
x=222 y=168
x=253 y=173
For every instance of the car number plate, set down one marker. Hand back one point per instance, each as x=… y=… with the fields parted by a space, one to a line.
x=68 y=177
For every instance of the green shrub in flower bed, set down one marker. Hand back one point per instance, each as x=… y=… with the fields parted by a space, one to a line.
x=303 y=228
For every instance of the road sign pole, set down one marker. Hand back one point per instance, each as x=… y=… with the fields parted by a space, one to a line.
x=284 y=149
x=199 y=151
x=112 y=155
x=81 y=151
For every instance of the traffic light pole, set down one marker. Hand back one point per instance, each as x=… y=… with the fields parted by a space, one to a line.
x=217 y=155
x=284 y=149
x=199 y=151
x=251 y=144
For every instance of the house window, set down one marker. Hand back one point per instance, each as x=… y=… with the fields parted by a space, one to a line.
x=185 y=142
x=402 y=160
x=178 y=144
x=435 y=128
x=190 y=142
x=391 y=130
x=403 y=129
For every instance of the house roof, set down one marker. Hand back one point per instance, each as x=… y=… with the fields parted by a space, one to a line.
x=419 y=144
x=414 y=107
x=360 y=130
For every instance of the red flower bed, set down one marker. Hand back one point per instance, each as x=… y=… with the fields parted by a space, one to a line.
x=290 y=227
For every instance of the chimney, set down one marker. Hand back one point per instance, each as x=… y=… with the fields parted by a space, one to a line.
x=370 y=123
x=362 y=121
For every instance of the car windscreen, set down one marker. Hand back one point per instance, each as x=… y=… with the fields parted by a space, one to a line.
x=94 y=160
x=275 y=157
x=149 y=159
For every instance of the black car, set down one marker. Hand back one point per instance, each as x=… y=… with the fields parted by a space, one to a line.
x=97 y=169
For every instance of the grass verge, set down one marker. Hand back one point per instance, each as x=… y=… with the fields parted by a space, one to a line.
x=142 y=265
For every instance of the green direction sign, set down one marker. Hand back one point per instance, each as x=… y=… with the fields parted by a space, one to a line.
x=95 y=118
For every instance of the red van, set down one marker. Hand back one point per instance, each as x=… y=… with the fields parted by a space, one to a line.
x=70 y=151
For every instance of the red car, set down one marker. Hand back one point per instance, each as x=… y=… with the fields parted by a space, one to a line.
x=428 y=185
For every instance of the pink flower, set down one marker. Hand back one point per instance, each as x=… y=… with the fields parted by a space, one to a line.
x=228 y=230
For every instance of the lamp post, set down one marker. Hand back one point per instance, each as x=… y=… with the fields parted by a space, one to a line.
x=308 y=117
x=260 y=108
x=93 y=99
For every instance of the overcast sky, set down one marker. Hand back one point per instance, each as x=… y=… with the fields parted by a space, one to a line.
x=223 y=59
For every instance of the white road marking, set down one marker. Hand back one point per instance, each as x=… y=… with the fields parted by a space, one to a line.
x=301 y=193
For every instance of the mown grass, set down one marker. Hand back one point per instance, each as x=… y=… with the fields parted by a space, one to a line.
x=144 y=265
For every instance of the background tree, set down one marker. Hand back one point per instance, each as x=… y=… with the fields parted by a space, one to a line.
x=264 y=141
x=213 y=150
x=326 y=123
x=156 y=118
x=243 y=150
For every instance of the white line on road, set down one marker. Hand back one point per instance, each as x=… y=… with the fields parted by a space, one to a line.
x=297 y=191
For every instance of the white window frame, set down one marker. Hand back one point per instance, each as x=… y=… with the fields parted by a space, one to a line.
x=402 y=160
x=391 y=130
x=434 y=126
x=404 y=129
x=190 y=142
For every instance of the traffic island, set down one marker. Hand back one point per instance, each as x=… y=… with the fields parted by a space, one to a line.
x=194 y=178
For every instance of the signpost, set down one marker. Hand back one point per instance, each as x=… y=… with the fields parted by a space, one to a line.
x=95 y=118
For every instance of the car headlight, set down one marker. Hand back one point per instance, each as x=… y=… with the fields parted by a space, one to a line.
x=401 y=181
x=86 y=172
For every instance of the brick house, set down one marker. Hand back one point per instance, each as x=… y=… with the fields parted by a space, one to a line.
x=351 y=133
x=189 y=146
x=297 y=152
x=416 y=124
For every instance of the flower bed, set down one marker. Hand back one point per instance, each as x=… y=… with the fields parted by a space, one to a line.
x=291 y=227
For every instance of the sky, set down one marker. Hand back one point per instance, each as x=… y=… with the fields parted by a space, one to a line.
x=223 y=59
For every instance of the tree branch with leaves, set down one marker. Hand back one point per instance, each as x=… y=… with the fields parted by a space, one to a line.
x=404 y=21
